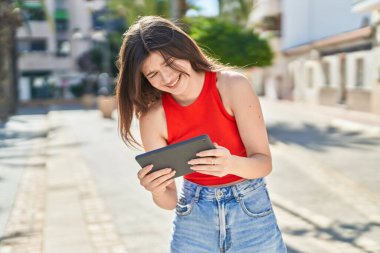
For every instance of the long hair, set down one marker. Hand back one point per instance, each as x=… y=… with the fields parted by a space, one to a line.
x=134 y=93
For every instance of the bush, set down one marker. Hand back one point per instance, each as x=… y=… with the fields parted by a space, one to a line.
x=77 y=90
x=229 y=43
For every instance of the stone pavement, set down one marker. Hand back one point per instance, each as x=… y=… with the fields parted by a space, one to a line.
x=58 y=208
x=61 y=205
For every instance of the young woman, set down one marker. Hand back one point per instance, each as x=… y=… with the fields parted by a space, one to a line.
x=177 y=93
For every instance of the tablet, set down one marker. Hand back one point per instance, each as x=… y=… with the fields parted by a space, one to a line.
x=176 y=156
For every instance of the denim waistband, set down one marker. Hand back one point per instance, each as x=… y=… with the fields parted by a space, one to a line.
x=212 y=193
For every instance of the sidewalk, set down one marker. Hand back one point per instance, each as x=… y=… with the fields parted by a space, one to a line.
x=62 y=205
x=337 y=117
x=57 y=207
x=19 y=138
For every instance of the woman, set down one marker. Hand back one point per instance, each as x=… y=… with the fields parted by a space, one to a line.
x=178 y=93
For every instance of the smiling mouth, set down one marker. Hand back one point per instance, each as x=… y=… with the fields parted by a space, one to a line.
x=173 y=83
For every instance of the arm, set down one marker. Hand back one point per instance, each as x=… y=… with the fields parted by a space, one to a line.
x=247 y=111
x=250 y=121
x=163 y=189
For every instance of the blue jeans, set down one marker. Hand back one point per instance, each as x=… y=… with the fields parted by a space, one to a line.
x=237 y=218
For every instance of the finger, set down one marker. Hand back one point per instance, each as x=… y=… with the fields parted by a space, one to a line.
x=212 y=152
x=152 y=176
x=144 y=171
x=162 y=186
x=158 y=181
x=206 y=160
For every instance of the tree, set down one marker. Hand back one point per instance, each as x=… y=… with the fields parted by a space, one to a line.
x=236 y=11
x=9 y=20
x=132 y=9
x=230 y=43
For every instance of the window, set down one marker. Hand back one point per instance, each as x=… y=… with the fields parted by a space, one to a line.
x=34 y=10
x=61 y=17
x=34 y=45
x=41 y=87
x=23 y=46
x=359 y=72
x=38 y=45
x=310 y=77
x=327 y=72
x=61 y=25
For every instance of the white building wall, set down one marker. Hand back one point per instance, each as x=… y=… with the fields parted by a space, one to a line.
x=309 y=20
x=295 y=70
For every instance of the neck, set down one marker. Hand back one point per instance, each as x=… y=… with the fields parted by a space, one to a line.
x=193 y=90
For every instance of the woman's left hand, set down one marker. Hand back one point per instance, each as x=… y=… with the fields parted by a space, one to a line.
x=216 y=162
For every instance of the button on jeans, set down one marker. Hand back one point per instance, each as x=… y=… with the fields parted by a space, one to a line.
x=237 y=218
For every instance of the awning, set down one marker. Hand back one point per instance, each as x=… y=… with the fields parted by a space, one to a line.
x=32 y=5
x=61 y=14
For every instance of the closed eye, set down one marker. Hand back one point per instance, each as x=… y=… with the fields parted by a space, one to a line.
x=151 y=76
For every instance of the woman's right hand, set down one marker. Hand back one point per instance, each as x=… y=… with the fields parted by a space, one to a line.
x=155 y=182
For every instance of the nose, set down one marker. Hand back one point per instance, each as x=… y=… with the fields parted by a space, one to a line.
x=166 y=77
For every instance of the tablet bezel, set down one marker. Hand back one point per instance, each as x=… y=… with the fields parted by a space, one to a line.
x=176 y=156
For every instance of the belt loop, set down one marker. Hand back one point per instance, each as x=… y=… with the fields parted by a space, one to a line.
x=236 y=194
x=196 y=196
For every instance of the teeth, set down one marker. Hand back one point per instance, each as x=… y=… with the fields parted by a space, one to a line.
x=174 y=82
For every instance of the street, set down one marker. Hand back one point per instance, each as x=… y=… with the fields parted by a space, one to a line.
x=324 y=185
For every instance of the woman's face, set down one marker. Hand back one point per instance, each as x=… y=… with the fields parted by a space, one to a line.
x=163 y=77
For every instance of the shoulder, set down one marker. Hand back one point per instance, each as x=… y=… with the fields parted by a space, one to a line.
x=232 y=85
x=153 y=124
x=155 y=114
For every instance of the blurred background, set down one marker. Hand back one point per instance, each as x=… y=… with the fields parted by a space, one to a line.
x=68 y=183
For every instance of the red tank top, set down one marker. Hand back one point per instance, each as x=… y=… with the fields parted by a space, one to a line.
x=206 y=115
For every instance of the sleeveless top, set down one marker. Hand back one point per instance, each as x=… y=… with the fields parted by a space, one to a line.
x=206 y=115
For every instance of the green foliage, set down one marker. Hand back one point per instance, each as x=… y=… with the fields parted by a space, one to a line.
x=131 y=9
x=77 y=90
x=97 y=57
x=236 y=11
x=229 y=43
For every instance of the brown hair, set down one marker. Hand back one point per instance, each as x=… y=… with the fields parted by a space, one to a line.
x=134 y=93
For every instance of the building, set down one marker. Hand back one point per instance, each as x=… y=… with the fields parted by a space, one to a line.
x=327 y=53
x=55 y=34
x=266 y=18
x=372 y=7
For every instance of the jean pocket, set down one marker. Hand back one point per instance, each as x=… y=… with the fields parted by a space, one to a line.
x=257 y=203
x=185 y=205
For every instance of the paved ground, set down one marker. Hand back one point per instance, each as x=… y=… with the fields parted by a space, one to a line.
x=68 y=183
